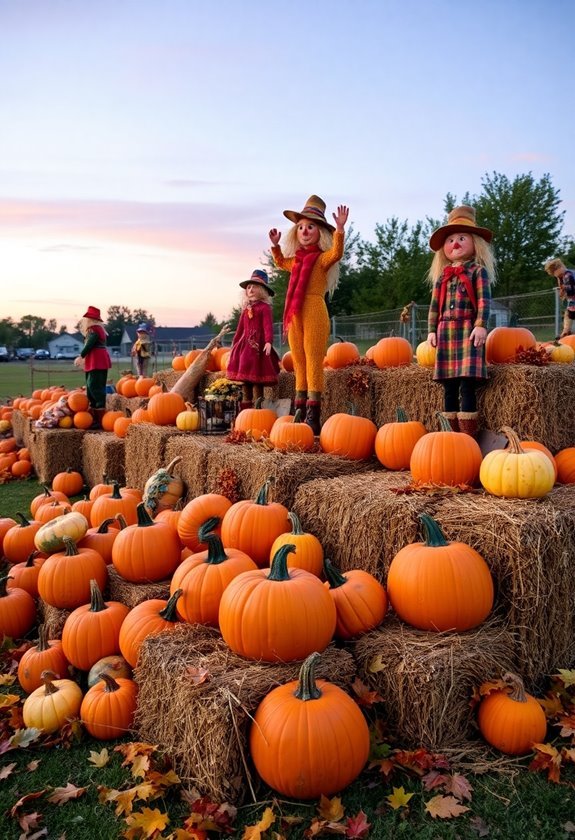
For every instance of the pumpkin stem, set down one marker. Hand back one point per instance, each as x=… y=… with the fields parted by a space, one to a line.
x=207 y=527
x=434 y=536
x=168 y=613
x=23 y=521
x=144 y=518
x=216 y=551
x=119 y=518
x=351 y=409
x=262 y=497
x=279 y=568
x=97 y=603
x=71 y=549
x=115 y=494
x=111 y=684
x=31 y=557
x=258 y=402
x=400 y=415
x=513 y=438
x=295 y=523
x=173 y=463
x=297 y=416
x=104 y=527
x=443 y=422
x=307 y=687
x=47 y=678
x=517 y=688
x=333 y=575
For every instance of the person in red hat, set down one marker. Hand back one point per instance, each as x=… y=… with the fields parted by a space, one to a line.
x=461 y=275
x=95 y=360
x=312 y=253
x=253 y=360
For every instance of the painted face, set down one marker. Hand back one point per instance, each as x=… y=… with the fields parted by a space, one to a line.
x=307 y=233
x=253 y=291
x=459 y=247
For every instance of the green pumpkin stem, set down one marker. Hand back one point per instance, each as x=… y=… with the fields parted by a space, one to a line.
x=332 y=574
x=297 y=416
x=169 y=612
x=216 y=551
x=70 y=546
x=434 y=536
x=24 y=522
x=514 y=442
x=208 y=526
x=515 y=682
x=262 y=497
x=443 y=422
x=295 y=524
x=279 y=568
x=401 y=415
x=307 y=687
x=97 y=603
x=144 y=518
x=105 y=526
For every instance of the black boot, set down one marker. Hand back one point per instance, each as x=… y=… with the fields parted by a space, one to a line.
x=313 y=412
x=302 y=406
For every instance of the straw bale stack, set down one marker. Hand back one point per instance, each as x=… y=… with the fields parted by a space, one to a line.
x=427 y=679
x=254 y=465
x=132 y=594
x=54 y=450
x=168 y=377
x=411 y=388
x=196 y=699
x=103 y=454
x=52 y=618
x=349 y=386
x=193 y=468
x=20 y=427
x=145 y=451
x=117 y=402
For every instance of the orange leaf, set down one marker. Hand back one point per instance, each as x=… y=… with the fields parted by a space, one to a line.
x=7 y=770
x=547 y=759
x=551 y=705
x=331 y=809
x=364 y=696
x=445 y=807
x=493 y=685
x=148 y=821
x=64 y=794
x=254 y=832
x=567 y=724
x=197 y=675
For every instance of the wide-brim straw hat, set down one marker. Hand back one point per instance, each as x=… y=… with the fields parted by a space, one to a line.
x=314 y=210
x=93 y=313
x=460 y=220
x=258 y=278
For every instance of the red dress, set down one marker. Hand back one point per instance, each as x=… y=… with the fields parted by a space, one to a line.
x=248 y=362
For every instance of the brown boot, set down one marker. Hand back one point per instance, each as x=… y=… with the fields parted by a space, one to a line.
x=300 y=405
x=452 y=419
x=468 y=422
x=313 y=412
x=97 y=414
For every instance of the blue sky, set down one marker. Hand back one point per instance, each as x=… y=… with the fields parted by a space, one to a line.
x=147 y=147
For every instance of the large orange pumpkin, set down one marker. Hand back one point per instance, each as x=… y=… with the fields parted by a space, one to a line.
x=445 y=457
x=196 y=513
x=309 y=738
x=147 y=551
x=439 y=585
x=503 y=343
x=18 y=541
x=252 y=526
x=290 y=434
x=565 y=461
x=109 y=505
x=510 y=719
x=164 y=408
x=17 y=610
x=348 y=436
x=92 y=631
x=395 y=441
x=277 y=614
x=393 y=351
x=64 y=578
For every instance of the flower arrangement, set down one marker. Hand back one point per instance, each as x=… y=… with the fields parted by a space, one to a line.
x=223 y=389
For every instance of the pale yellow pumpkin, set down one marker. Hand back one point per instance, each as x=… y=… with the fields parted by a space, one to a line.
x=50 y=706
x=188 y=420
x=425 y=354
x=50 y=537
x=517 y=473
x=561 y=353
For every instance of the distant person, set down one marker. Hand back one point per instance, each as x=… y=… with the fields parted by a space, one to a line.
x=313 y=249
x=142 y=349
x=461 y=275
x=95 y=360
x=253 y=360
x=566 y=282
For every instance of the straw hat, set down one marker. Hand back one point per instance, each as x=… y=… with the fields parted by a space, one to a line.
x=314 y=210
x=258 y=278
x=93 y=313
x=460 y=220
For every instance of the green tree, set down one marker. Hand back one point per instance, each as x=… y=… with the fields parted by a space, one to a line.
x=10 y=333
x=210 y=323
x=118 y=318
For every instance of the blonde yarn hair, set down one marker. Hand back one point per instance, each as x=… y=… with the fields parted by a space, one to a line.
x=483 y=256
x=552 y=265
x=264 y=296
x=86 y=323
x=325 y=243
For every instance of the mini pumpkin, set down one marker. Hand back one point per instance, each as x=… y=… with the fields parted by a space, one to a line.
x=510 y=719
x=53 y=704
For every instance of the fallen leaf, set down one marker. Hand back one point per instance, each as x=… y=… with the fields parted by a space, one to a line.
x=459 y=786
x=547 y=759
x=24 y=737
x=567 y=724
x=254 y=832
x=364 y=696
x=566 y=677
x=148 y=821
x=399 y=798
x=64 y=794
x=376 y=664
x=551 y=705
x=28 y=822
x=569 y=827
x=24 y=799
x=197 y=675
x=33 y=765
x=434 y=779
x=357 y=827
x=7 y=770
x=479 y=826
x=445 y=807
x=331 y=809
x=7 y=679
x=8 y=700
x=99 y=759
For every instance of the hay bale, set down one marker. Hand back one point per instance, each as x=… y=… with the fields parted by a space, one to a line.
x=132 y=594
x=103 y=455
x=353 y=385
x=254 y=464
x=203 y=725
x=427 y=679
x=411 y=388
x=53 y=619
x=117 y=402
x=54 y=450
x=145 y=451
x=168 y=377
x=20 y=427
x=193 y=468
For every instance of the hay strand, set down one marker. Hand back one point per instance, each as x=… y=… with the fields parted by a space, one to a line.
x=132 y=594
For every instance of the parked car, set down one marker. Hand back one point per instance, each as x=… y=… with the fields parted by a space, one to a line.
x=42 y=354
x=4 y=354
x=66 y=355
x=24 y=353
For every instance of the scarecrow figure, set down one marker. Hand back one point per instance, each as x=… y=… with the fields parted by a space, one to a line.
x=95 y=360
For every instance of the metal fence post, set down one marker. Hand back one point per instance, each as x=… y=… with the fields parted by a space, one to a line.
x=558 y=316
x=413 y=326
x=333 y=328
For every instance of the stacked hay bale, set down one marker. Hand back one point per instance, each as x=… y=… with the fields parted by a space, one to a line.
x=55 y=450
x=145 y=451
x=103 y=454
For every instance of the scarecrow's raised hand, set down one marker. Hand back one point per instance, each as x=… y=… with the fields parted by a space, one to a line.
x=340 y=218
x=275 y=235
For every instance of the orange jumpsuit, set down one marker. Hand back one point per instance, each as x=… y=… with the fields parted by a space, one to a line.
x=308 y=332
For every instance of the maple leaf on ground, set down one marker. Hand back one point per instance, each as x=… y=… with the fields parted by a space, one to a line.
x=161 y=781
x=132 y=749
x=211 y=815
x=548 y=760
x=552 y=705
x=319 y=827
x=364 y=696
x=567 y=724
x=254 y=832
x=24 y=737
x=399 y=798
x=420 y=761
x=434 y=779
x=331 y=809
x=8 y=700
x=568 y=755
x=64 y=794
x=445 y=807
x=7 y=679
x=99 y=759
x=357 y=827
x=566 y=677
x=7 y=770
x=28 y=822
x=459 y=786
x=15 y=809
x=148 y=821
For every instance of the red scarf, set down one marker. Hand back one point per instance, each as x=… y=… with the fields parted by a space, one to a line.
x=458 y=271
x=301 y=272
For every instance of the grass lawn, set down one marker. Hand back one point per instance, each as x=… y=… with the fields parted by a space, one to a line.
x=518 y=803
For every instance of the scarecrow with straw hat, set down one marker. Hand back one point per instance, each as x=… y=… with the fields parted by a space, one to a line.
x=253 y=360
x=313 y=249
x=142 y=349
x=461 y=275
x=95 y=360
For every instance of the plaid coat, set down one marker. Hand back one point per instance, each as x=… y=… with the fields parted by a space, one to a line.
x=456 y=356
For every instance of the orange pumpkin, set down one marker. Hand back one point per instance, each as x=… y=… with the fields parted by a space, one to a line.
x=18 y=541
x=445 y=457
x=308 y=552
x=146 y=551
x=147 y=619
x=69 y=482
x=196 y=513
x=360 y=600
x=143 y=385
x=348 y=436
x=257 y=422
x=287 y=361
x=83 y=420
x=178 y=363
x=341 y=353
x=109 y=419
x=510 y=719
x=64 y=578
x=164 y=408
x=25 y=575
x=109 y=505
x=17 y=610
x=289 y=434
x=78 y=401
x=393 y=351
x=108 y=708
x=503 y=343
x=45 y=656
x=92 y=631
x=565 y=461
x=252 y=526
x=394 y=442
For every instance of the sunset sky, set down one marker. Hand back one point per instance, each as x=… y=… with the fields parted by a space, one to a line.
x=147 y=147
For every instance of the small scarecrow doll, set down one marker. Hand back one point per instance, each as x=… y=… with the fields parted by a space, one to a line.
x=95 y=360
x=253 y=360
x=461 y=275
x=313 y=249
x=142 y=349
